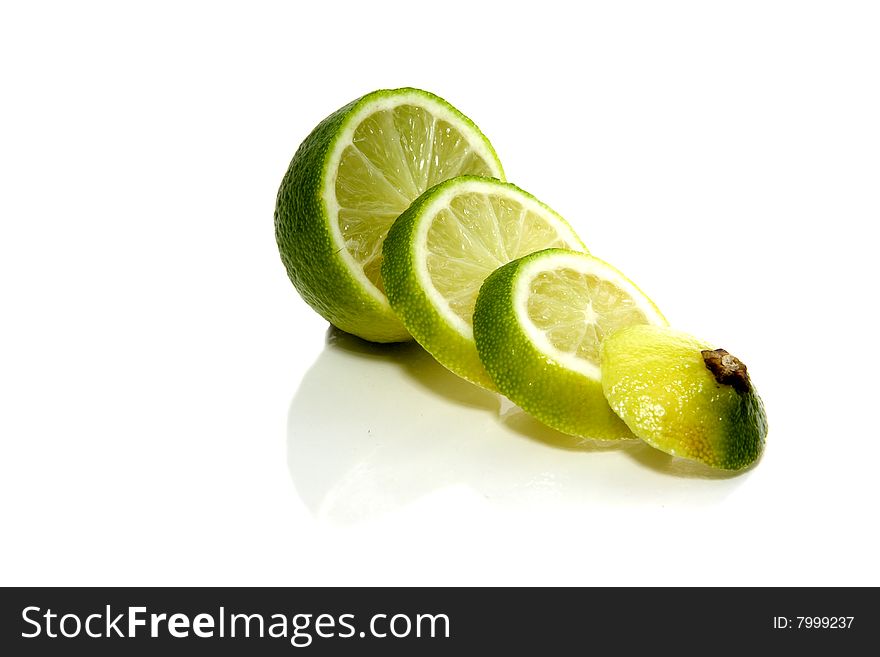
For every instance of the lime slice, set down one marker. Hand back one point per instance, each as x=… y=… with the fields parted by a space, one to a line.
x=684 y=397
x=439 y=252
x=539 y=322
x=349 y=180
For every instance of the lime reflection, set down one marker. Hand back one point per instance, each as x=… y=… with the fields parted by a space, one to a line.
x=373 y=428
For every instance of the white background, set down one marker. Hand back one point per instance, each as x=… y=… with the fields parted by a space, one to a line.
x=172 y=413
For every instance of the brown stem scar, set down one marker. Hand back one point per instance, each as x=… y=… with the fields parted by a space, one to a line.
x=727 y=369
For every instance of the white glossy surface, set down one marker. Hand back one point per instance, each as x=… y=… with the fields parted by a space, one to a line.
x=411 y=429
x=172 y=413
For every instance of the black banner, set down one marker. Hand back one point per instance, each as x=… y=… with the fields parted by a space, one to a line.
x=114 y=621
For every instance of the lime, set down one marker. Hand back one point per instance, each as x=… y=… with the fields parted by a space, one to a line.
x=538 y=324
x=440 y=250
x=683 y=397
x=347 y=183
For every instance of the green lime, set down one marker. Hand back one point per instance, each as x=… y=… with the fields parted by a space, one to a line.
x=683 y=397
x=538 y=324
x=439 y=252
x=347 y=183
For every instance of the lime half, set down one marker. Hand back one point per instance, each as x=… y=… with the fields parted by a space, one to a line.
x=439 y=252
x=539 y=323
x=347 y=183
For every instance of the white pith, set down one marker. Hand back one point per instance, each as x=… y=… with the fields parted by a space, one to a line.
x=582 y=265
x=443 y=201
x=345 y=139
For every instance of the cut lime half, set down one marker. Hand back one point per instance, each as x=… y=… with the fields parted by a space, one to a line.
x=350 y=179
